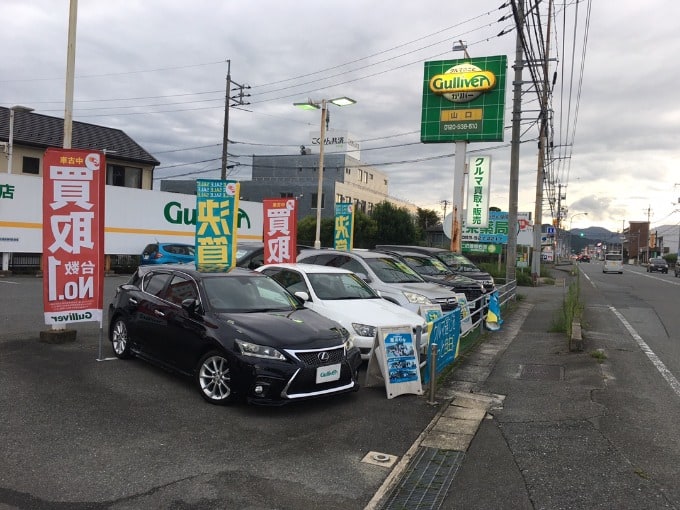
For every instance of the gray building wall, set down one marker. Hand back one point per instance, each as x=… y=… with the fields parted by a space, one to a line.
x=296 y=175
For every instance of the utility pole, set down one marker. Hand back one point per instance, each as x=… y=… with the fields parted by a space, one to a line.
x=70 y=73
x=649 y=211
x=445 y=203
x=238 y=101
x=542 y=148
x=559 y=220
x=511 y=258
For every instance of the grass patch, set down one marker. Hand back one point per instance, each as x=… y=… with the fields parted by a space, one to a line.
x=571 y=311
x=599 y=355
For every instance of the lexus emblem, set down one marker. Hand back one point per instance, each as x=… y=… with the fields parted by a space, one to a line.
x=324 y=356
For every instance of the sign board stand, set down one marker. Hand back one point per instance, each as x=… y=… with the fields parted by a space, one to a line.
x=394 y=362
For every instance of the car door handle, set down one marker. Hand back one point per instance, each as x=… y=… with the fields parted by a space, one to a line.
x=158 y=313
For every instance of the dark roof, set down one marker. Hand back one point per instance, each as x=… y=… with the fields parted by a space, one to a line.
x=37 y=130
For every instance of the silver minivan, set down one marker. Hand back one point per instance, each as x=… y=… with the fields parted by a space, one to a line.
x=391 y=278
x=613 y=263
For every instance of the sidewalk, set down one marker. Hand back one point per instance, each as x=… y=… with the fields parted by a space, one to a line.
x=517 y=428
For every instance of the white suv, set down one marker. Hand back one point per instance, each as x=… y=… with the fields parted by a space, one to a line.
x=387 y=275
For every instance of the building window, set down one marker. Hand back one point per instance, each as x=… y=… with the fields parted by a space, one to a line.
x=323 y=200
x=31 y=165
x=286 y=195
x=361 y=175
x=127 y=177
x=348 y=170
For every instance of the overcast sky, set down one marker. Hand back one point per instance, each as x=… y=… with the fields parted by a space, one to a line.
x=156 y=69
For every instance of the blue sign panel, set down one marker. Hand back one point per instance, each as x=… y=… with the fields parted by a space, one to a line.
x=446 y=335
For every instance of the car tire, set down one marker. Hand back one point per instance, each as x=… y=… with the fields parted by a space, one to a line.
x=213 y=378
x=120 y=339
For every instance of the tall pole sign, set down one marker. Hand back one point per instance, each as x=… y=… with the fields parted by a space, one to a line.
x=463 y=101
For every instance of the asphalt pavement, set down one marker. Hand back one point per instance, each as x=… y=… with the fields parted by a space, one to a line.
x=521 y=422
x=555 y=431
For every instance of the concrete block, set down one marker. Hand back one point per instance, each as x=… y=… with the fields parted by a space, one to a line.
x=576 y=340
x=58 y=336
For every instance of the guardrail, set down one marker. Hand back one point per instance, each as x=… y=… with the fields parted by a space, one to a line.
x=439 y=356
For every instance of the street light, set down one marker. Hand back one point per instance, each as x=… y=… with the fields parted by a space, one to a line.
x=315 y=105
x=10 y=144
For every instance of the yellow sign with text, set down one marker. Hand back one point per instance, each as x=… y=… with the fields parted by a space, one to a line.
x=462 y=115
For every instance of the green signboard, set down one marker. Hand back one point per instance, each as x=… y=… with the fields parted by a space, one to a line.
x=464 y=100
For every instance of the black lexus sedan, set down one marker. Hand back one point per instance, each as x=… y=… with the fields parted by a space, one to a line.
x=239 y=335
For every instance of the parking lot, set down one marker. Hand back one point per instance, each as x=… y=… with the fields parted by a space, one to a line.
x=85 y=431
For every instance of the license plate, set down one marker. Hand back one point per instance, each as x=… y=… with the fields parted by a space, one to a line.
x=327 y=373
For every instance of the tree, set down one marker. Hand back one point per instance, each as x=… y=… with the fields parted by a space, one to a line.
x=395 y=225
x=365 y=230
x=306 y=231
x=425 y=218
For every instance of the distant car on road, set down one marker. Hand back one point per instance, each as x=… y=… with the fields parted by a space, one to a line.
x=167 y=253
x=583 y=258
x=657 y=264
x=238 y=334
x=613 y=263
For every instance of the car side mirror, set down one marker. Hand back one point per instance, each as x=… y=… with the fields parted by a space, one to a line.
x=192 y=306
x=304 y=296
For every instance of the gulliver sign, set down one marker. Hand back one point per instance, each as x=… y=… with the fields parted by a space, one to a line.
x=463 y=100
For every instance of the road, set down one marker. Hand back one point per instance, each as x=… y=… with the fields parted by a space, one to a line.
x=645 y=304
x=634 y=318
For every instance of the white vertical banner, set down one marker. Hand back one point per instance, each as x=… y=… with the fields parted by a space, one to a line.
x=479 y=181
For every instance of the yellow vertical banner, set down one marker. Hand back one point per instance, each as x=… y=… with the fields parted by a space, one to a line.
x=216 y=224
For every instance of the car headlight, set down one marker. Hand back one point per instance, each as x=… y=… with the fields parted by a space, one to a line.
x=416 y=298
x=259 y=351
x=364 y=329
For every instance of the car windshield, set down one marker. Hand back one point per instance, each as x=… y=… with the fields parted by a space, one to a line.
x=244 y=249
x=179 y=249
x=247 y=294
x=391 y=270
x=456 y=261
x=427 y=265
x=333 y=286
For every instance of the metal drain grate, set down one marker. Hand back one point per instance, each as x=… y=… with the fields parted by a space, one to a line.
x=426 y=480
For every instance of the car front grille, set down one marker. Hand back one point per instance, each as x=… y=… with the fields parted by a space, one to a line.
x=447 y=304
x=314 y=358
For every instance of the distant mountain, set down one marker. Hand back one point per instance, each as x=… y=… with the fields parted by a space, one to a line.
x=596 y=233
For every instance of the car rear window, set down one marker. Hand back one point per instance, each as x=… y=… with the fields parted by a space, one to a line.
x=613 y=256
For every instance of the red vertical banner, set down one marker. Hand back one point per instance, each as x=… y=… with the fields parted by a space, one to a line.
x=73 y=236
x=279 y=230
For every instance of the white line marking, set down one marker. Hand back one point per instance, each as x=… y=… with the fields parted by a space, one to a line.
x=11 y=283
x=670 y=378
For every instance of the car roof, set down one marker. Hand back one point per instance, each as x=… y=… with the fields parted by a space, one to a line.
x=190 y=269
x=405 y=253
x=307 y=268
x=359 y=252
x=417 y=249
